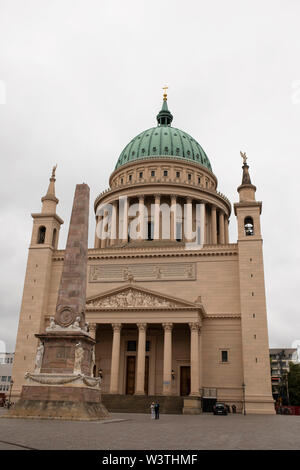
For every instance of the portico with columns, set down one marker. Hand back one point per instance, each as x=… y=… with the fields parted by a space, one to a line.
x=159 y=334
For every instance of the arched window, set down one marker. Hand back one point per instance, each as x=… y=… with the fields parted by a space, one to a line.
x=249 y=226
x=41 y=235
x=54 y=237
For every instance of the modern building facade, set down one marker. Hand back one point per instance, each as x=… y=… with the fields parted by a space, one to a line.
x=280 y=360
x=6 y=366
x=174 y=313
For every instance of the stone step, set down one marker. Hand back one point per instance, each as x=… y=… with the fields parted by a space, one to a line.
x=141 y=403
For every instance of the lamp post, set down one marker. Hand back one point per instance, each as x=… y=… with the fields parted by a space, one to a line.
x=11 y=386
x=244 y=401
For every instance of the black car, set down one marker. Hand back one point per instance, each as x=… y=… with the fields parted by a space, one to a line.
x=220 y=409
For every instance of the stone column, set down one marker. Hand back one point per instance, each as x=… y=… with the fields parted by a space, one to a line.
x=140 y=382
x=214 y=225
x=156 y=217
x=141 y=218
x=173 y=218
x=115 y=358
x=123 y=219
x=200 y=358
x=113 y=226
x=104 y=229
x=167 y=371
x=221 y=228
x=194 y=328
x=203 y=225
x=226 y=230
x=188 y=220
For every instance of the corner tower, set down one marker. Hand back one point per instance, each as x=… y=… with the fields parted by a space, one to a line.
x=44 y=240
x=255 y=344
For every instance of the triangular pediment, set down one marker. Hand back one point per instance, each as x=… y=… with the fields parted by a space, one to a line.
x=132 y=297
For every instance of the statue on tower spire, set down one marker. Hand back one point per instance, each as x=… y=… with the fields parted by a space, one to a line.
x=246 y=176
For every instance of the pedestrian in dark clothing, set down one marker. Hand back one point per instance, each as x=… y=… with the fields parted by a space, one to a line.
x=233 y=409
x=156 y=409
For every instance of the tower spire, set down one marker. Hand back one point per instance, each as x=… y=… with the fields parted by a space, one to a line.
x=164 y=117
x=50 y=201
x=246 y=190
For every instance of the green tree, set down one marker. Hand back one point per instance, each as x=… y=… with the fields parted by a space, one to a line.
x=294 y=384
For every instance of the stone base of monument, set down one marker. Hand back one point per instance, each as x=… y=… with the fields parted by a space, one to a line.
x=62 y=386
x=192 y=406
x=70 y=402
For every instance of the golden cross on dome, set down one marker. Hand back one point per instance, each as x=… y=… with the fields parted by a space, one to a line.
x=165 y=92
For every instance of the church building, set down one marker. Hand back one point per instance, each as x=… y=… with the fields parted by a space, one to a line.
x=176 y=309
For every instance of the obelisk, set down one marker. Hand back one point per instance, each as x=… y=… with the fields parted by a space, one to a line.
x=62 y=385
x=72 y=290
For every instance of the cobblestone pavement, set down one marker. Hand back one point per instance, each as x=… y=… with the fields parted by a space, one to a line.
x=138 y=431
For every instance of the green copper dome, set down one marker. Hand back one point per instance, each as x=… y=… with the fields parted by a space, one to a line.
x=162 y=141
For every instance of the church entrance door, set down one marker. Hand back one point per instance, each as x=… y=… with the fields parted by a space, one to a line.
x=185 y=380
x=130 y=377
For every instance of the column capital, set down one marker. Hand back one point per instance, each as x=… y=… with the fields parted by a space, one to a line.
x=188 y=199
x=194 y=326
x=116 y=326
x=167 y=326
x=141 y=197
x=142 y=326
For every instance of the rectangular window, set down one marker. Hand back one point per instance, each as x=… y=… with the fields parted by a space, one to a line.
x=152 y=173
x=178 y=231
x=141 y=174
x=189 y=176
x=3 y=378
x=224 y=356
x=165 y=172
x=177 y=174
x=131 y=345
x=130 y=177
x=150 y=231
x=199 y=180
x=8 y=378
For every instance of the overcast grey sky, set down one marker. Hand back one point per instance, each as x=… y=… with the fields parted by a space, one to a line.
x=82 y=78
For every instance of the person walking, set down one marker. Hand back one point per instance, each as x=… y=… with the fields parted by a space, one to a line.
x=156 y=408
x=152 y=409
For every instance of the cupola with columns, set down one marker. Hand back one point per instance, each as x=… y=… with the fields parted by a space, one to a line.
x=162 y=165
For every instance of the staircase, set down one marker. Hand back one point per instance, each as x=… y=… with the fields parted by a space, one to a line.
x=141 y=403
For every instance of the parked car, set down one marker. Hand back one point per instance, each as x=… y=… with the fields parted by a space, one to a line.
x=220 y=409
